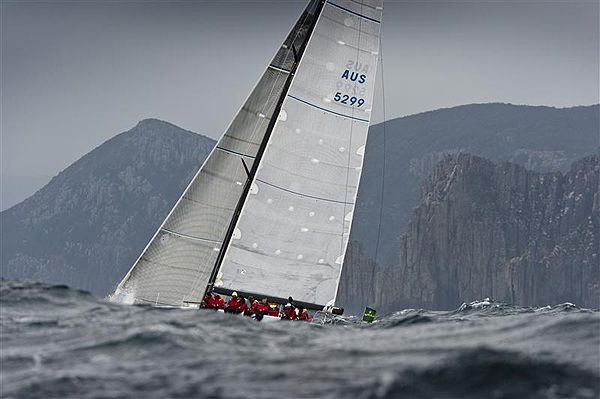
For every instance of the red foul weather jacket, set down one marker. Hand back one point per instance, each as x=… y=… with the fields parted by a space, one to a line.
x=207 y=302
x=289 y=313
x=217 y=302
x=303 y=316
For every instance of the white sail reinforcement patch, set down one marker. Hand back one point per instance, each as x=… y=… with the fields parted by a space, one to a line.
x=348 y=217
x=283 y=115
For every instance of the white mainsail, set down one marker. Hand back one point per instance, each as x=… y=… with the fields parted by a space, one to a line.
x=292 y=235
x=297 y=203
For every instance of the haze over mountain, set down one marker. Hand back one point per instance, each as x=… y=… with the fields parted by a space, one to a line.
x=15 y=189
x=87 y=226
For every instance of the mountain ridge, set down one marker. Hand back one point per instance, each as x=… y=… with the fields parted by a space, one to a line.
x=88 y=223
x=102 y=210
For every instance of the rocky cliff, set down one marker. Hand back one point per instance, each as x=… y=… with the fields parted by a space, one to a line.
x=499 y=231
x=543 y=139
x=86 y=227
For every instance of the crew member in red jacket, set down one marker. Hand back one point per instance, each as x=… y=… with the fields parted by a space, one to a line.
x=207 y=301
x=217 y=302
x=273 y=310
x=252 y=307
x=242 y=307
x=289 y=311
x=303 y=315
x=263 y=306
x=233 y=304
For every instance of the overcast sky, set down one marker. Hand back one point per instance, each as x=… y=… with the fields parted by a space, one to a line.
x=75 y=73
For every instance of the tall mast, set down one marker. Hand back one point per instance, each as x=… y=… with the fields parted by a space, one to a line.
x=252 y=172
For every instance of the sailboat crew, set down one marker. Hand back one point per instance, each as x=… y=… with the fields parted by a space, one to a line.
x=242 y=307
x=233 y=304
x=263 y=306
x=207 y=301
x=211 y=301
x=252 y=307
x=303 y=315
x=273 y=310
x=217 y=302
x=289 y=311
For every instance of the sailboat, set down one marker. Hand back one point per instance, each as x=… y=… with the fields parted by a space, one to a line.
x=269 y=212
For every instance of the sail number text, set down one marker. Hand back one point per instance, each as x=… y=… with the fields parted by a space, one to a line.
x=350 y=89
x=346 y=99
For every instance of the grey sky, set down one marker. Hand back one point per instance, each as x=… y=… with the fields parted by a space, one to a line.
x=76 y=73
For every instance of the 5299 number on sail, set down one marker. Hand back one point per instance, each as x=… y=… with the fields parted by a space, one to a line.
x=346 y=99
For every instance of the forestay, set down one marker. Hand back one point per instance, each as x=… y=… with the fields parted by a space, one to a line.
x=293 y=231
x=177 y=263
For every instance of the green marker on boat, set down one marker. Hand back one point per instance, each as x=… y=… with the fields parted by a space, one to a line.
x=369 y=314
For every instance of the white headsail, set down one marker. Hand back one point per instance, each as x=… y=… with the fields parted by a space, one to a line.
x=297 y=196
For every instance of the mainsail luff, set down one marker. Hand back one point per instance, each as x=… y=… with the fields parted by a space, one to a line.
x=177 y=262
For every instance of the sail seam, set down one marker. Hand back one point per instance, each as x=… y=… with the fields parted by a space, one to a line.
x=205 y=204
x=166 y=265
x=235 y=152
x=326 y=110
x=190 y=237
x=363 y=5
x=354 y=12
x=303 y=195
x=275 y=67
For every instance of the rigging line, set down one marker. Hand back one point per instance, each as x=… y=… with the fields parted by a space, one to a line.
x=342 y=249
x=383 y=155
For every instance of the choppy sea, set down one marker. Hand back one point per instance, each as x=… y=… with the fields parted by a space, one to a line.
x=58 y=342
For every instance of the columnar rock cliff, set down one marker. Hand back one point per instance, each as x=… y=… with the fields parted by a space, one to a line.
x=500 y=231
x=543 y=139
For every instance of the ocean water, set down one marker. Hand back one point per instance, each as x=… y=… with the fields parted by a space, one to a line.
x=57 y=342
